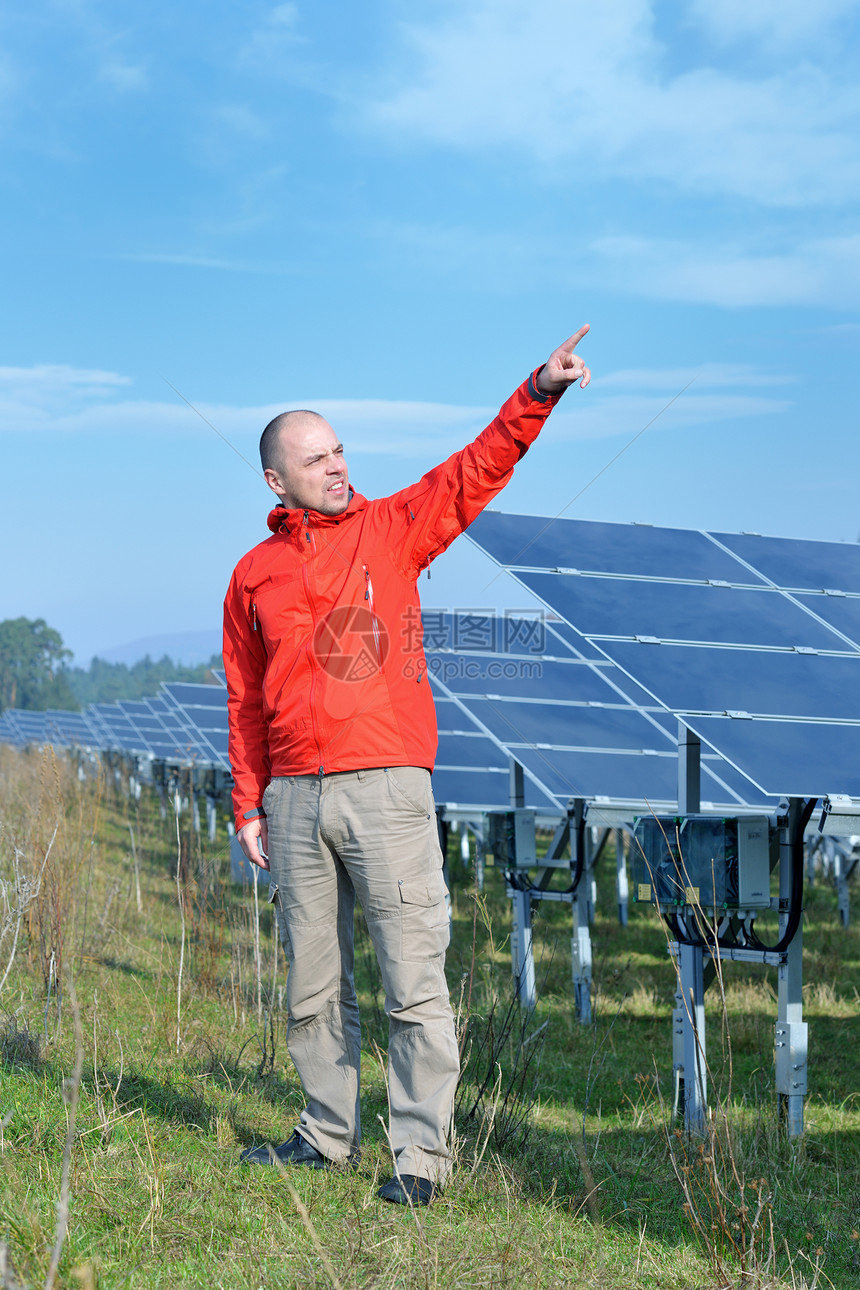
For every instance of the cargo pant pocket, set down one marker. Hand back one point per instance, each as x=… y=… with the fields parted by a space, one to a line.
x=424 y=927
x=275 y=902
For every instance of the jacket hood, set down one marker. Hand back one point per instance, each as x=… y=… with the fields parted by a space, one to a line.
x=282 y=519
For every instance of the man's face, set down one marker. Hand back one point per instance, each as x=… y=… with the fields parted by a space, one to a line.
x=313 y=475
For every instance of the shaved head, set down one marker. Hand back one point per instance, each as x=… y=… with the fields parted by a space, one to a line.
x=271 y=449
x=303 y=462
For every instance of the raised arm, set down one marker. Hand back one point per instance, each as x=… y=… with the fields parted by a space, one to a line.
x=442 y=504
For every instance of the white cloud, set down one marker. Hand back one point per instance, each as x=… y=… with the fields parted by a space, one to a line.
x=34 y=395
x=271 y=45
x=242 y=121
x=822 y=271
x=706 y=376
x=125 y=77
x=192 y=260
x=573 y=84
x=778 y=23
x=69 y=400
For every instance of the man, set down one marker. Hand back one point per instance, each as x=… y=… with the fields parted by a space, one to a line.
x=332 y=741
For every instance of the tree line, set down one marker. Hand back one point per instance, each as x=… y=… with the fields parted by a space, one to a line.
x=35 y=671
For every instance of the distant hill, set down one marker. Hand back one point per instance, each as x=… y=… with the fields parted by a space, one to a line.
x=186 y=648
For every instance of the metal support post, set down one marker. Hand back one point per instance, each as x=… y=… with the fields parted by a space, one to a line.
x=791 y=1029
x=195 y=811
x=689 y=771
x=688 y=1017
x=522 y=950
x=517 y=784
x=840 y=877
x=479 y=858
x=212 y=817
x=580 y=941
x=465 y=856
x=678 y=1030
x=590 y=850
x=695 y=1085
x=622 y=887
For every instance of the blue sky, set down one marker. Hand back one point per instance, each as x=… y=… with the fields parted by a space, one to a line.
x=392 y=212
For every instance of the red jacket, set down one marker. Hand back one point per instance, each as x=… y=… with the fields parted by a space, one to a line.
x=322 y=629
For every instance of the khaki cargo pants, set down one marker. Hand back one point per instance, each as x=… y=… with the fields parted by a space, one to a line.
x=370 y=833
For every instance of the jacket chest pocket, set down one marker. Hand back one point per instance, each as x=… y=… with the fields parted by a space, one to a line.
x=278 y=608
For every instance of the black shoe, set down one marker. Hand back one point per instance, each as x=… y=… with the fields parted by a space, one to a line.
x=408 y=1188
x=295 y=1151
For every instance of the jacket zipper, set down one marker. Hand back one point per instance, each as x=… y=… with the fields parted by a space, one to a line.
x=368 y=595
x=308 y=647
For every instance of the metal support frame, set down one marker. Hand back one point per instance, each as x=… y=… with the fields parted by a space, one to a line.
x=692 y=1083
x=522 y=948
x=791 y=1039
x=523 y=897
x=622 y=886
x=580 y=941
x=688 y=1017
x=212 y=816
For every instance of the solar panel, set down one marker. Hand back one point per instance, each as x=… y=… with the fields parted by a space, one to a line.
x=600 y=607
x=472 y=771
x=203 y=709
x=534 y=542
x=840 y=611
x=795 y=563
x=791 y=758
x=569 y=721
x=769 y=683
x=190 y=694
x=753 y=642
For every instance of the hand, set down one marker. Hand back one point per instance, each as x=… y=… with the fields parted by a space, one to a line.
x=254 y=841
x=563 y=367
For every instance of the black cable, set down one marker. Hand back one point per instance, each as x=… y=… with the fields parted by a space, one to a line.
x=795 y=901
x=520 y=880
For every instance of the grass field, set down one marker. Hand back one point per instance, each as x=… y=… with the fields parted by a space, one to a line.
x=140 y=967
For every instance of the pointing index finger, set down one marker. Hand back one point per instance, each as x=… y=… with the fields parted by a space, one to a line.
x=572 y=341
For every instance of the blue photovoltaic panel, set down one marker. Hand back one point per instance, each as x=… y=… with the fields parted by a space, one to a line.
x=783 y=652
x=647 y=777
x=188 y=694
x=570 y=723
x=471 y=770
x=533 y=542
x=600 y=607
x=566 y=726
x=31 y=727
x=762 y=682
x=842 y=612
x=529 y=678
x=795 y=563
x=794 y=758
x=470 y=788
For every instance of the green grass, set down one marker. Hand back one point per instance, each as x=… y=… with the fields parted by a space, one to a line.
x=591 y=1199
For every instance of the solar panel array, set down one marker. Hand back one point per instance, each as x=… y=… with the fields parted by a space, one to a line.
x=183 y=725
x=753 y=642
x=527 y=689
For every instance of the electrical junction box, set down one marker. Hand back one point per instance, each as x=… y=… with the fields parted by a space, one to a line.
x=510 y=838
x=703 y=860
